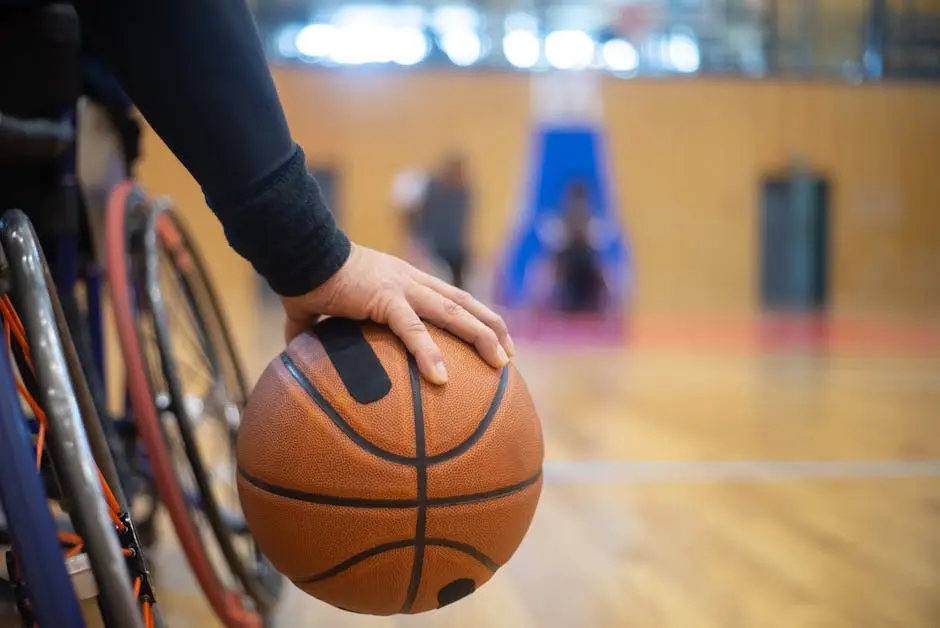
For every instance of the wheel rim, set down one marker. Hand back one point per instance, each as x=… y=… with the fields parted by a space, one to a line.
x=201 y=388
x=124 y=200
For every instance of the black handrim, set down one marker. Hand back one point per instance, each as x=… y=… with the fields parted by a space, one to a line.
x=151 y=351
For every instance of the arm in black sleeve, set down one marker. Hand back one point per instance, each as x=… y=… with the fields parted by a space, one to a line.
x=197 y=72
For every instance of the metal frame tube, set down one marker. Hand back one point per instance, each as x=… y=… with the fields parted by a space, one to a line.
x=68 y=442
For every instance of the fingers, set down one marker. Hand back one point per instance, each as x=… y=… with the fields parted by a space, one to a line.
x=476 y=309
x=404 y=322
x=450 y=315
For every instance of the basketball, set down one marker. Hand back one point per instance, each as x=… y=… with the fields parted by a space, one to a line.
x=376 y=491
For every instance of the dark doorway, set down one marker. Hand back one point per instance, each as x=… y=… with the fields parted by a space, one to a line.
x=795 y=242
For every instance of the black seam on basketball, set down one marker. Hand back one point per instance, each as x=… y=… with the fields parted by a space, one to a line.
x=481 y=428
x=374 y=449
x=422 y=468
x=327 y=500
x=456 y=500
x=352 y=561
x=369 y=502
x=469 y=550
x=337 y=419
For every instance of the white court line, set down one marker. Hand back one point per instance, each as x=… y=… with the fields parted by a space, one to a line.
x=621 y=472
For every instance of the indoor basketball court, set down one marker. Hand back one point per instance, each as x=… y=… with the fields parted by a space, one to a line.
x=713 y=232
x=708 y=476
x=728 y=452
x=744 y=435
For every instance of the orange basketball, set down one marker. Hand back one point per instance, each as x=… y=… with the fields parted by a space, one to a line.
x=378 y=492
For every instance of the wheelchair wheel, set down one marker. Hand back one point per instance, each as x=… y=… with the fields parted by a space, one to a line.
x=105 y=532
x=129 y=221
x=202 y=385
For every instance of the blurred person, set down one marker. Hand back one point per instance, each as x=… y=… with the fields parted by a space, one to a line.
x=444 y=218
x=575 y=240
x=198 y=74
x=408 y=191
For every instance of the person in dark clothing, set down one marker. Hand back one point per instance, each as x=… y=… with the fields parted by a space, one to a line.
x=580 y=286
x=444 y=218
x=196 y=71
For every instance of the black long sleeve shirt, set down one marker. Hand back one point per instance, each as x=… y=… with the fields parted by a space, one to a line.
x=197 y=72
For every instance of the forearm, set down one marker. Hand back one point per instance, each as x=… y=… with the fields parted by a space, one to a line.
x=196 y=71
x=285 y=229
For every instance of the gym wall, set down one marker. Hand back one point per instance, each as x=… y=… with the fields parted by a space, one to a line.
x=687 y=160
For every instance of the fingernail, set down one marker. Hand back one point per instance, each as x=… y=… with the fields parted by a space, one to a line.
x=439 y=373
x=510 y=347
x=501 y=354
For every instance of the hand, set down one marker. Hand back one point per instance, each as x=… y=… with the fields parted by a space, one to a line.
x=385 y=289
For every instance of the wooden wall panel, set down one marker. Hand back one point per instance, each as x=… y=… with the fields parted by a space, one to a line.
x=687 y=156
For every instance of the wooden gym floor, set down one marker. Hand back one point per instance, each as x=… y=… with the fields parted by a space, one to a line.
x=718 y=478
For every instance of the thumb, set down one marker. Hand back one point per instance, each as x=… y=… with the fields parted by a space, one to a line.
x=293 y=327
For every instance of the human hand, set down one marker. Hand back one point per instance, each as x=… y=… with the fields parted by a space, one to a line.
x=385 y=289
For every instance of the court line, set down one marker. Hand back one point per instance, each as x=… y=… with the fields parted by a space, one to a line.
x=624 y=472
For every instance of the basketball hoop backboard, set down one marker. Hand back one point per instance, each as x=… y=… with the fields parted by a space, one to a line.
x=567 y=96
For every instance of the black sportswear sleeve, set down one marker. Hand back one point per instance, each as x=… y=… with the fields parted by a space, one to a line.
x=197 y=72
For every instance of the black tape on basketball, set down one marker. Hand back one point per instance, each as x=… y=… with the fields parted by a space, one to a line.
x=354 y=359
x=456 y=590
